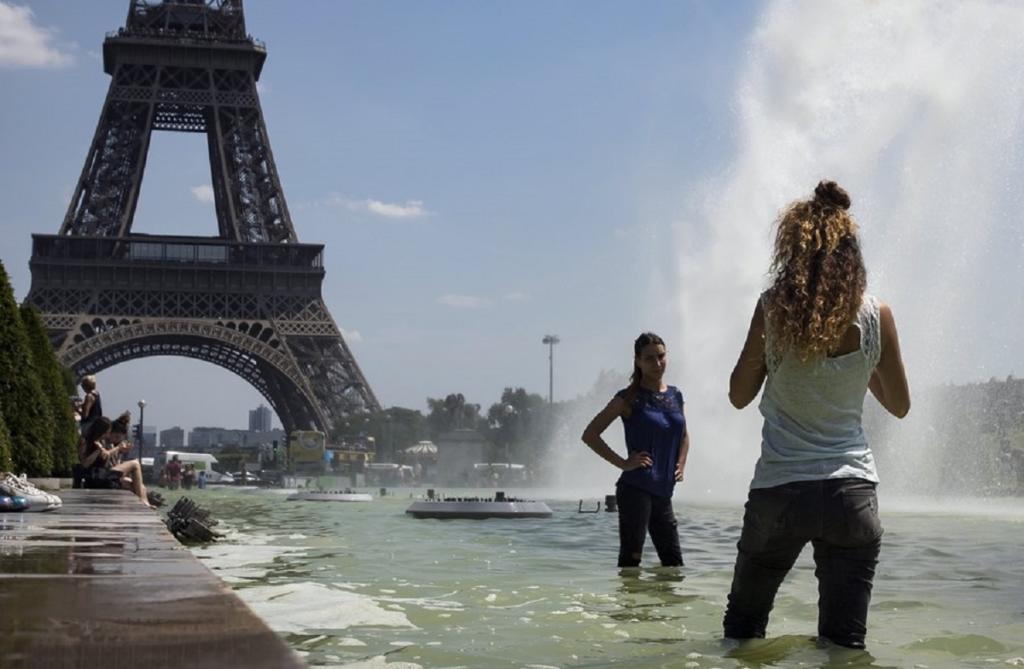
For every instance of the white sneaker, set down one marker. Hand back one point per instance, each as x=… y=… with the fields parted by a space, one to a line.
x=37 y=499
x=53 y=501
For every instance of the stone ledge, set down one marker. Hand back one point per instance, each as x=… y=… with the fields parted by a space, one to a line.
x=50 y=483
x=102 y=583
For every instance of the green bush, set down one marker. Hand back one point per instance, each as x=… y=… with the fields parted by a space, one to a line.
x=51 y=378
x=5 y=446
x=26 y=409
x=67 y=376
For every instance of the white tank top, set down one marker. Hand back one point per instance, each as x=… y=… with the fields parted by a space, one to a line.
x=812 y=411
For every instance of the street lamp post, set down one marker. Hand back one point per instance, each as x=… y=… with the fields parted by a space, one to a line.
x=142 y=434
x=551 y=340
x=510 y=414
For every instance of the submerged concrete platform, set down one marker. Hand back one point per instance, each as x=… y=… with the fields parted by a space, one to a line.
x=102 y=583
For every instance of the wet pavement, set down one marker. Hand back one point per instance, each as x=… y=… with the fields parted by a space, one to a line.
x=102 y=583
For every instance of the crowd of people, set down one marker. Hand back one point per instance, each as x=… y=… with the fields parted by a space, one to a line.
x=176 y=476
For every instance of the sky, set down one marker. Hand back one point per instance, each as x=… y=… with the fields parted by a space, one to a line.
x=483 y=174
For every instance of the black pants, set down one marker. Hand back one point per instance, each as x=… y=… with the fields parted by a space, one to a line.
x=840 y=519
x=102 y=478
x=641 y=512
x=78 y=473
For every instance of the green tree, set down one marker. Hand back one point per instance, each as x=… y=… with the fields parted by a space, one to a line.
x=26 y=409
x=396 y=429
x=393 y=430
x=453 y=413
x=5 y=446
x=67 y=375
x=51 y=378
x=520 y=425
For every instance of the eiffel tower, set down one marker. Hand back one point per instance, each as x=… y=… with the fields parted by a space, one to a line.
x=248 y=299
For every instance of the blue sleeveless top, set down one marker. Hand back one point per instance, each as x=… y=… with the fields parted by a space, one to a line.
x=656 y=425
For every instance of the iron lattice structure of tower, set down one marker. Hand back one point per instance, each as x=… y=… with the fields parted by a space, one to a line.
x=248 y=299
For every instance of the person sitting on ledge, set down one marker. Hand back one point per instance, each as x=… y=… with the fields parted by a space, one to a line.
x=96 y=460
x=118 y=438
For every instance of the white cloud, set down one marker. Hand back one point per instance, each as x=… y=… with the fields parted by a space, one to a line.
x=351 y=336
x=203 y=193
x=262 y=88
x=463 y=301
x=517 y=296
x=411 y=208
x=23 y=43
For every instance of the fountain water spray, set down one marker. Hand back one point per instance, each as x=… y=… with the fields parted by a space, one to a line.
x=917 y=109
x=914 y=107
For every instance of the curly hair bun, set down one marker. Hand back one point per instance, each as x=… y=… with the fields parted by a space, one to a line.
x=831 y=194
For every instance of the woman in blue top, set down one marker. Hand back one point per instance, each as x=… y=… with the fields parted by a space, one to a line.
x=818 y=342
x=657 y=443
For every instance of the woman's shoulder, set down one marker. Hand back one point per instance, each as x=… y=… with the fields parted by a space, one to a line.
x=674 y=398
x=873 y=309
x=871 y=302
x=876 y=303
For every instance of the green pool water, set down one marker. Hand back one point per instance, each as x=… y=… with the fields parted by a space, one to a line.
x=365 y=585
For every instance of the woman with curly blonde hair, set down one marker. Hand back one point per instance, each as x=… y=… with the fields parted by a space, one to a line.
x=818 y=342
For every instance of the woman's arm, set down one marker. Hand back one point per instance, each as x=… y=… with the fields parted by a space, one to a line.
x=889 y=380
x=87 y=403
x=90 y=459
x=684 y=450
x=750 y=370
x=598 y=424
x=97 y=452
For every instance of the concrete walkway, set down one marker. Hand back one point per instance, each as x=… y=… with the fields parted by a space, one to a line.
x=102 y=583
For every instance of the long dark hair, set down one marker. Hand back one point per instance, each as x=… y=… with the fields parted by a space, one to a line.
x=97 y=428
x=122 y=424
x=645 y=339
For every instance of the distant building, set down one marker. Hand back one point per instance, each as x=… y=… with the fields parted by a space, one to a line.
x=260 y=419
x=205 y=437
x=458 y=452
x=172 y=438
x=210 y=437
x=149 y=437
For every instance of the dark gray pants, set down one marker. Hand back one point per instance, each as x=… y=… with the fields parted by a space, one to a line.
x=840 y=519
x=641 y=512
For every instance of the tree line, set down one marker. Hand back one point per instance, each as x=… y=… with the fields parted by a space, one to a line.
x=519 y=427
x=515 y=425
x=38 y=434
